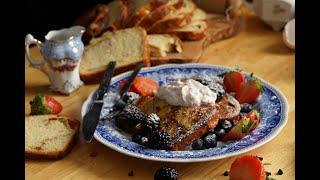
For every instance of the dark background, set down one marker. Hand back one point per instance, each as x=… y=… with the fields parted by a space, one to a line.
x=43 y=16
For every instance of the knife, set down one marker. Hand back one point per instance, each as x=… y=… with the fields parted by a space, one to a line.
x=131 y=79
x=91 y=118
x=119 y=104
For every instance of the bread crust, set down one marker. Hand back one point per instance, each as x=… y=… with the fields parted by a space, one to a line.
x=74 y=124
x=159 y=13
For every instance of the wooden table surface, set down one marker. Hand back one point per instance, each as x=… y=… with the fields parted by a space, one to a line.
x=255 y=49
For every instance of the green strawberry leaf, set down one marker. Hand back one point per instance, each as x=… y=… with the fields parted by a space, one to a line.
x=257 y=82
x=247 y=124
x=38 y=107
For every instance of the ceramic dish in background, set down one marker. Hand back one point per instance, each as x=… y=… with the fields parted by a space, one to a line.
x=272 y=105
x=289 y=34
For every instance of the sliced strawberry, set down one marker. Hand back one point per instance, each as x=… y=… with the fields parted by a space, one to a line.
x=143 y=86
x=243 y=127
x=247 y=167
x=54 y=105
x=254 y=116
x=45 y=105
x=233 y=81
x=249 y=91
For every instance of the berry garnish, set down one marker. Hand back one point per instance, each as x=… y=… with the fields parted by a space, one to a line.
x=166 y=173
x=130 y=97
x=246 y=108
x=138 y=138
x=233 y=81
x=198 y=144
x=247 y=168
x=150 y=123
x=219 y=133
x=45 y=105
x=249 y=91
x=160 y=140
x=132 y=115
x=225 y=124
x=210 y=140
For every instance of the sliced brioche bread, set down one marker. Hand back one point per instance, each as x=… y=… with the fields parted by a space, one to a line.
x=159 y=13
x=49 y=136
x=161 y=44
x=193 y=31
x=175 y=19
x=126 y=46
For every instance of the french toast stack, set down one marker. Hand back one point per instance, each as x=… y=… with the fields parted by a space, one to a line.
x=185 y=124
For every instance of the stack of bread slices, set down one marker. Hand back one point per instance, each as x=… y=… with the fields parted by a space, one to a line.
x=130 y=31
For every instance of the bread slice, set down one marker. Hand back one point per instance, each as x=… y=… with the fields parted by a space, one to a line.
x=175 y=19
x=161 y=44
x=126 y=46
x=193 y=31
x=118 y=13
x=159 y=13
x=49 y=136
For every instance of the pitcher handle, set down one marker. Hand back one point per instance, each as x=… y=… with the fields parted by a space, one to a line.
x=249 y=5
x=30 y=40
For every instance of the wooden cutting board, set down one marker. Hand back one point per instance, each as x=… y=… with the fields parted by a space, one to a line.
x=219 y=28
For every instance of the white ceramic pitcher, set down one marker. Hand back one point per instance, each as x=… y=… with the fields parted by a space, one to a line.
x=62 y=51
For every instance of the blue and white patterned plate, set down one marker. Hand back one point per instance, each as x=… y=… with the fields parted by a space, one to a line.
x=272 y=105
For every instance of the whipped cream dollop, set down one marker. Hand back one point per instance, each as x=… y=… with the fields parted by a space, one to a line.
x=186 y=93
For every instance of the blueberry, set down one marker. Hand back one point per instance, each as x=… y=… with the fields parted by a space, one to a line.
x=210 y=140
x=198 y=144
x=166 y=173
x=220 y=133
x=246 y=108
x=225 y=124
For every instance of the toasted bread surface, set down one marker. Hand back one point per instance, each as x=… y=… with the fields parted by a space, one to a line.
x=49 y=136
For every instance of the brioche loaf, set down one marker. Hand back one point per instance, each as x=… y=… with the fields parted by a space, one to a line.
x=194 y=30
x=49 y=136
x=159 y=13
x=161 y=44
x=126 y=46
x=175 y=19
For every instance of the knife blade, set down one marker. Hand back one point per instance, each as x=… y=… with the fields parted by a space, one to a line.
x=131 y=79
x=91 y=118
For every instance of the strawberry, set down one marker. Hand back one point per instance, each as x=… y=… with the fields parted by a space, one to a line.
x=254 y=116
x=247 y=167
x=243 y=127
x=142 y=85
x=45 y=105
x=249 y=91
x=233 y=81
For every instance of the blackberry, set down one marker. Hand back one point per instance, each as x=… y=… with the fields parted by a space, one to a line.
x=210 y=140
x=217 y=88
x=130 y=97
x=131 y=114
x=166 y=173
x=198 y=144
x=151 y=123
x=160 y=140
x=138 y=138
